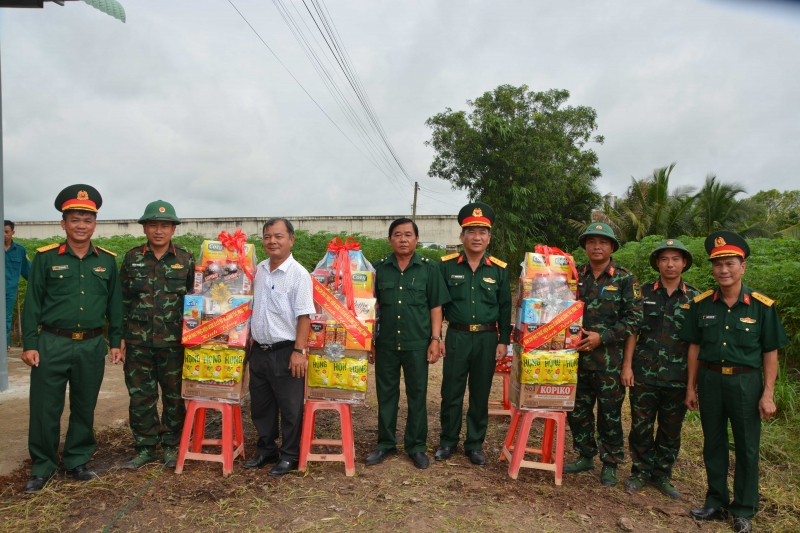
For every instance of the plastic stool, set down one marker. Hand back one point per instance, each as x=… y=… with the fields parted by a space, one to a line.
x=523 y=419
x=348 y=455
x=193 y=439
x=504 y=404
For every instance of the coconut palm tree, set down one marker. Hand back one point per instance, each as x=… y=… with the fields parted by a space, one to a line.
x=716 y=207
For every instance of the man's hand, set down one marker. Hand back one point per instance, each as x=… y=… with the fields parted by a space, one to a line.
x=117 y=356
x=766 y=406
x=442 y=350
x=691 y=399
x=31 y=357
x=371 y=355
x=627 y=376
x=298 y=364
x=434 y=352
x=590 y=342
x=501 y=352
x=122 y=348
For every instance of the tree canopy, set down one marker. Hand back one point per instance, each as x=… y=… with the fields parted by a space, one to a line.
x=524 y=153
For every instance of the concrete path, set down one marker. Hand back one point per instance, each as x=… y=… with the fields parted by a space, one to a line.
x=112 y=409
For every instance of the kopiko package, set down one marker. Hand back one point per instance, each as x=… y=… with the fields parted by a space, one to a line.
x=341 y=333
x=548 y=315
x=216 y=316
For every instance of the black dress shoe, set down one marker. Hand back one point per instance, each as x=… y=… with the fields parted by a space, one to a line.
x=260 y=460
x=283 y=468
x=378 y=456
x=706 y=513
x=35 y=484
x=444 y=453
x=742 y=525
x=81 y=473
x=420 y=460
x=476 y=457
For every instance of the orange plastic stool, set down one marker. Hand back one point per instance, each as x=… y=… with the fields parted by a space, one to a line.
x=348 y=455
x=523 y=419
x=504 y=404
x=193 y=439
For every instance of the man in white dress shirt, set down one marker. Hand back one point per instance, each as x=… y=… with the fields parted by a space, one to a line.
x=282 y=303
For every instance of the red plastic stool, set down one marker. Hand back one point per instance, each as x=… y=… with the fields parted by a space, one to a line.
x=504 y=404
x=232 y=440
x=523 y=419
x=348 y=455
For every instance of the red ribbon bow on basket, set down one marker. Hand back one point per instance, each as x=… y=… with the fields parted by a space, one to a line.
x=341 y=266
x=236 y=243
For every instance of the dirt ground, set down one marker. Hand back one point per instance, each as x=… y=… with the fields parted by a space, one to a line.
x=394 y=496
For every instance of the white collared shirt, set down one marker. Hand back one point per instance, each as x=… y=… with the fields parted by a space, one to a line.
x=279 y=297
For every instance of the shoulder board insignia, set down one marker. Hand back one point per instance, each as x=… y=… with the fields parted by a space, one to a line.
x=763 y=299
x=47 y=248
x=109 y=252
x=450 y=256
x=703 y=296
x=496 y=261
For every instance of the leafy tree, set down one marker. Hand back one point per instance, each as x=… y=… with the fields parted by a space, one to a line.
x=716 y=207
x=524 y=153
x=779 y=211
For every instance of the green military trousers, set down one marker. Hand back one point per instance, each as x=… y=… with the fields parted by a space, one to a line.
x=470 y=359
x=62 y=361
x=606 y=391
x=387 y=385
x=733 y=398
x=145 y=370
x=653 y=457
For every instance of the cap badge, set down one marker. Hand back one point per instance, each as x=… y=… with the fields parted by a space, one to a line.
x=83 y=195
x=670 y=242
x=598 y=227
x=161 y=210
x=477 y=212
x=719 y=241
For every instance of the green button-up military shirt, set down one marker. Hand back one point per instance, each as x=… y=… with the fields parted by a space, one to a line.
x=661 y=356
x=72 y=293
x=405 y=299
x=152 y=294
x=479 y=297
x=737 y=335
x=613 y=308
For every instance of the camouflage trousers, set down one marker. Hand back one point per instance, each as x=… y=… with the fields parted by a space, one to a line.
x=605 y=390
x=654 y=457
x=145 y=370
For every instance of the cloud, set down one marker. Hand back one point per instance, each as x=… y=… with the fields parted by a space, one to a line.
x=184 y=103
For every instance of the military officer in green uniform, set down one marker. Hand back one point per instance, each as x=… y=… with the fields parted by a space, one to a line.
x=155 y=277
x=734 y=335
x=613 y=310
x=479 y=310
x=73 y=289
x=410 y=292
x=654 y=367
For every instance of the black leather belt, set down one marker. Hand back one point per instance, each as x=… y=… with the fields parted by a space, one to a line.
x=74 y=335
x=730 y=370
x=273 y=347
x=474 y=327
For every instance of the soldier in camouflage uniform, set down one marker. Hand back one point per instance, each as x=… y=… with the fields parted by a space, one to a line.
x=155 y=277
x=654 y=366
x=613 y=310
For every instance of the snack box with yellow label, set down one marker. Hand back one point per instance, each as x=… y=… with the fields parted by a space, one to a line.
x=363 y=284
x=347 y=377
x=554 y=397
x=233 y=382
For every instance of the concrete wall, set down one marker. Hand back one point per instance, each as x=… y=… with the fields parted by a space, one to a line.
x=443 y=229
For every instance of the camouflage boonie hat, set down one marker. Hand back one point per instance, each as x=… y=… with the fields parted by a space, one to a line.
x=601 y=229
x=671 y=244
x=159 y=210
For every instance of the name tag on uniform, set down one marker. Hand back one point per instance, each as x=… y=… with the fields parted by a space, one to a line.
x=456 y=276
x=99 y=269
x=489 y=280
x=60 y=267
x=650 y=303
x=709 y=317
x=748 y=320
x=137 y=264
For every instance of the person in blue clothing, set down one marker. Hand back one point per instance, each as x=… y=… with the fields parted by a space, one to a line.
x=17 y=265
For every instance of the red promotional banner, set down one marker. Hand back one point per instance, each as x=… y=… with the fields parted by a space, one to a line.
x=217 y=326
x=562 y=321
x=339 y=312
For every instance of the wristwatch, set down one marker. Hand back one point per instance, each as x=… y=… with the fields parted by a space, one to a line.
x=301 y=351
x=437 y=338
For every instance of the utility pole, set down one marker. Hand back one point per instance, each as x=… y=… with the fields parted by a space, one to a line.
x=414 y=209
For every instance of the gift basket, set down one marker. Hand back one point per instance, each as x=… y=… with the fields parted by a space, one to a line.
x=216 y=319
x=340 y=337
x=544 y=365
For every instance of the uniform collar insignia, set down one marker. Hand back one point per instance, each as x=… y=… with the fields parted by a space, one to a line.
x=746 y=298
x=461 y=258
x=99 y=269
x=62 y=249
x=716 y=295
x=610 y=270
x=488 y=261
x=748 y=320
x=656 y=285
x=489 y=280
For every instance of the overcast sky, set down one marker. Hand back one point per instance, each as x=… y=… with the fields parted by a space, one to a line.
x=184 y=103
